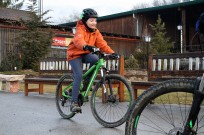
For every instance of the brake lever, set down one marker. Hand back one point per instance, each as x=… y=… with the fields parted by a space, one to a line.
x=95 y=50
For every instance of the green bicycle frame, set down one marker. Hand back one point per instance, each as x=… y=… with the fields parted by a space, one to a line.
x=95 y=68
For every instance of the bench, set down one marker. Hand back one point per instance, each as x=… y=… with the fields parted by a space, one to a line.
x=12 y=82
x=51 y=69
x=171 y=66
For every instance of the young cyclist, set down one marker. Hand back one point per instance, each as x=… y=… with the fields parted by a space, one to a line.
x=87 y=37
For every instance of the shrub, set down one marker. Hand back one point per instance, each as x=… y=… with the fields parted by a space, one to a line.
x=10 y=62
x=131 y=62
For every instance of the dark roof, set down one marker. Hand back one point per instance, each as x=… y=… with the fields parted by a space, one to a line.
x=150 y=9
x=13 y=14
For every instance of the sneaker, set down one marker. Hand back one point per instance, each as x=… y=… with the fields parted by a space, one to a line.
x=75 y=107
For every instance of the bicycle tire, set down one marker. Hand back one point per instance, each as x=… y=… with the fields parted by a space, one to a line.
x=116 y=112
x=63 y=109
x=165 y=115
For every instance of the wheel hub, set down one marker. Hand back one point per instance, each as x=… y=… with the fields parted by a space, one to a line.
x=112 y=98
x=63 y=101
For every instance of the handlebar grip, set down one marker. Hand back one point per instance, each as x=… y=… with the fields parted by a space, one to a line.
x=110 y=56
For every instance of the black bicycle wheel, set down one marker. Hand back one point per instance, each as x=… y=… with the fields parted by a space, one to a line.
x=63 y=103
x=163 y=110
x=111 y=108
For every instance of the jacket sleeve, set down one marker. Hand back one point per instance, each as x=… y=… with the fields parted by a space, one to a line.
x=102 y=44
x=78 y=39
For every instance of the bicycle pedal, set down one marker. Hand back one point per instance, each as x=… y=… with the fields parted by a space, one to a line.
x=78 y=112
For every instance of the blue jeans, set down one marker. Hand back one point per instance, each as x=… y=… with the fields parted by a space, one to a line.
x=76 y=65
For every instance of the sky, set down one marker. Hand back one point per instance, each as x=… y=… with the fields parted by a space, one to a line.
x=62 y=9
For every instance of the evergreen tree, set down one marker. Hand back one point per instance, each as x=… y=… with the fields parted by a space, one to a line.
x=140 y=55
x=160 y=44
x=4 y=3
x=35 y=40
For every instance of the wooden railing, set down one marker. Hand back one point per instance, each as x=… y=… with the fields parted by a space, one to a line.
x=175 y=65
x=61 y=65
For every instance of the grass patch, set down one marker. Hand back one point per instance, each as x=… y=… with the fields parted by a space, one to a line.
x=47 y=88
x=21 y=72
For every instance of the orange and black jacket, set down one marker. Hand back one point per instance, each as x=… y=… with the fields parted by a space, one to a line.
x=84 y=37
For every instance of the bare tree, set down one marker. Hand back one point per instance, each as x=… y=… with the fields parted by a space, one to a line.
x=140 y=6
x=167 y=2
x=74 y=16
x=175 y=1
x=18 y=4
x=157 y=3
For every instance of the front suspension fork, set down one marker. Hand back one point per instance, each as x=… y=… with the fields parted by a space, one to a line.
x=103 y=80
x=197 y=101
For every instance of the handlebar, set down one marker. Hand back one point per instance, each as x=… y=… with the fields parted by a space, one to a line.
x=104 y=55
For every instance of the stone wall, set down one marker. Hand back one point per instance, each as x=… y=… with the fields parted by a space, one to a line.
x=136 y=75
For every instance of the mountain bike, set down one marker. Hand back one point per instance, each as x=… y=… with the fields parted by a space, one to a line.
x=106 y=105
x=177 y=109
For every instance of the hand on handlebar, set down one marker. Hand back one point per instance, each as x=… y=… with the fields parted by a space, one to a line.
x=115 y=55
x=88 y=48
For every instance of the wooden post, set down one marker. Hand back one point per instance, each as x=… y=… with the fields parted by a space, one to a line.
x=41 y=88
x=26 y=88
x=171 y=64
x=165 y=65
x=121 y=85
x=152 y=65
x=177 y=63
x=122 y=65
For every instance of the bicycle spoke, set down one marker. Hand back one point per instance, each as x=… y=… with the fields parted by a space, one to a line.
x=63 y=103
x=169 y=113
x=109 y=110
x=156 y=114
x=153 y=125
x=152 y=132
x=171 y=122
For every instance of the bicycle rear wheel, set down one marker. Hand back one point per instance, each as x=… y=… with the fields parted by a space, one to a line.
x=111 y=108
x=164 y=109
x=63 y=103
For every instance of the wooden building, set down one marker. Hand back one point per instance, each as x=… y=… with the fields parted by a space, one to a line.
x=9 y=28
x=136 y=23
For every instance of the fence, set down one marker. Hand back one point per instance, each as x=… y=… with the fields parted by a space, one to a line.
x=186 y=65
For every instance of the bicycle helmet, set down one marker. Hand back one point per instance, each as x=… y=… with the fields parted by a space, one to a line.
x=88 y=13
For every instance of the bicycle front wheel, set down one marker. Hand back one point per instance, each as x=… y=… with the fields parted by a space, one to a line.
x=111 y=102
x=163 y=110
x=63 y=103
